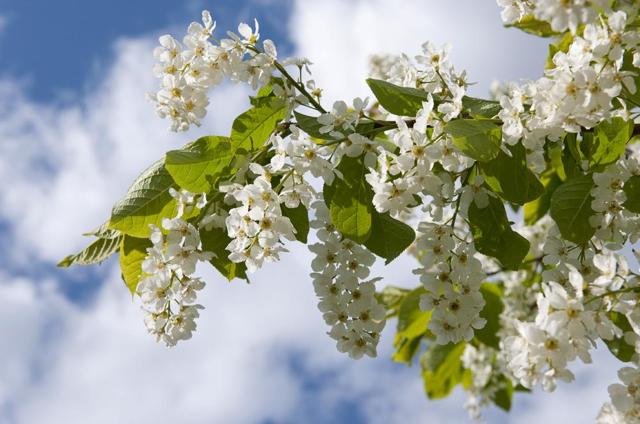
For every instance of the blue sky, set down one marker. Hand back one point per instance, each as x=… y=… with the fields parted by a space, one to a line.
x=75 y=130
x=62 y=47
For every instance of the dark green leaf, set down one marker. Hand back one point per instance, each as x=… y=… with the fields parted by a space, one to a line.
x=536 y=209
x=216 y=241
x=147 y=202
x=300 y=219
x=133 y=251
x=502 y=397
x=389 y=237
x=442 y=369
x=618 y=346
x=632 y=191
x=493 y=235
x=98 y=251
x=491 y=312
x=511 y=178
x=403 y=101
x=571 y=209
x=479 y=139
x=481 y=107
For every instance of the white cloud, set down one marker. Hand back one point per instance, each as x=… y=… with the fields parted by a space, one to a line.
x=339 y=36
x=260 y=352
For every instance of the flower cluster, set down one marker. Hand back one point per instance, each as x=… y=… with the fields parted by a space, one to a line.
x=485 y=368
x=452 y=277
x=577 y=92
x=257 y=227
x=347 y=301
x=625 y=399
x=613 y=222
x=168 y=291
x=190 y=69
x=561 y=15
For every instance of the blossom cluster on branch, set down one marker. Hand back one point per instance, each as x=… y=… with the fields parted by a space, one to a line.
x=522 y=211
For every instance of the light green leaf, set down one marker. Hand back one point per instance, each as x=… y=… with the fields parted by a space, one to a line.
x=442 y=369
x=493 y=236
x=562 y=46
x=254 y=127
x=392 y=297
x=610 y=140
x=216 y=241
x=133 y=251
x=299 y=217
x=402 y=101
x=632 y=191
x=571 y=209
x=99 y=250
x=350 y=200
x=199 y=165
x=511 y=178
x=478 y=139
x=389 y=237
x=531 y=25
x=491 y=312
x=412 y=326
x=147 y=202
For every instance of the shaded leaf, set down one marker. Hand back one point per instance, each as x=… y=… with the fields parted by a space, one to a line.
x=493 y=236
x=389 y=237
x=403 y=101
x=299 y=217
x=478 y=139
x=571 y=209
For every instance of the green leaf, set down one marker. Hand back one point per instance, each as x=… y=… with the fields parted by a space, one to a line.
x=254 y=127
x=147 y=202
x=610 y=140
x=511 y=178
x=493 y=235
x=536 y=209
x=562 y=46
x=412 y=326
x=391 y=298
x=389 y=237
x=350 y=200
x=133 y=251
x=618 y=346
x=300 y=219
x=216 y=241
x=311 y=126
x=481 y=107
x=198 y=166
x=571 y=209
x=98 y=251
x=478 y=139
x=632 y=191
x=442 y=369
x=531 y=25
x=491 y=312
x=403 y=101
x=503 y=396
